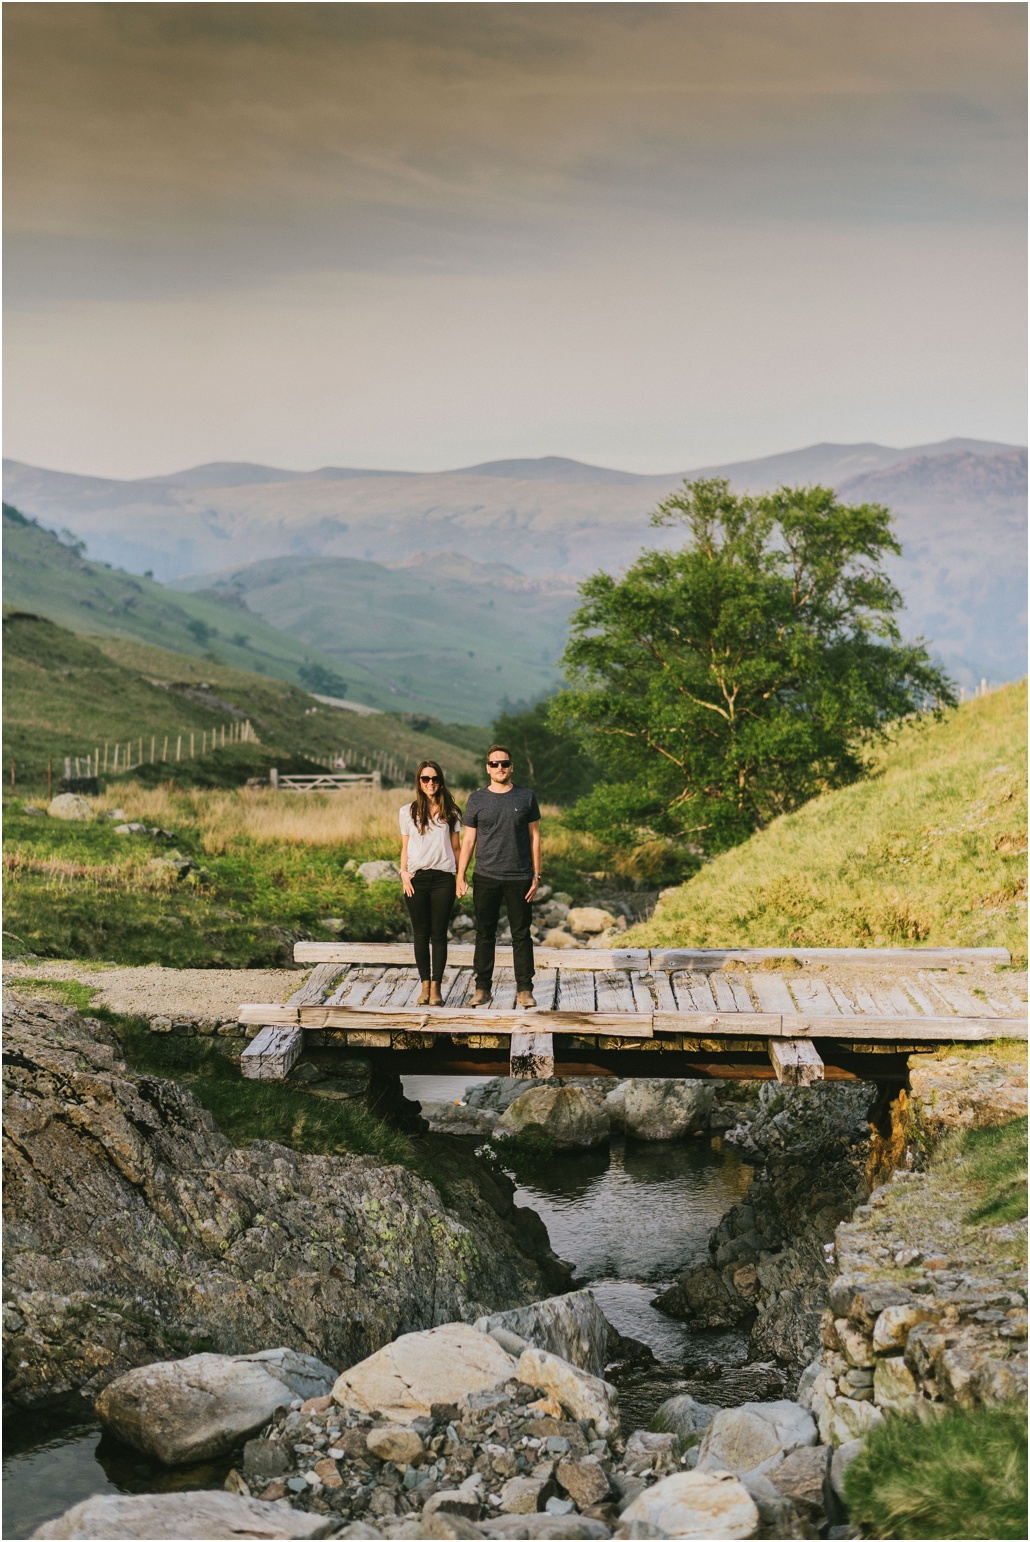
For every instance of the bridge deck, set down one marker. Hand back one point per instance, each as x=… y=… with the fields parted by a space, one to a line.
x=798 y=1014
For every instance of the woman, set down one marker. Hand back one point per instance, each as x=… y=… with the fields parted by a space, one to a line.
x=430 y=841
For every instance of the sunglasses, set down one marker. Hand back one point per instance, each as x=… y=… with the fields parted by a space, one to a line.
x=429 y=779
x=498 y=765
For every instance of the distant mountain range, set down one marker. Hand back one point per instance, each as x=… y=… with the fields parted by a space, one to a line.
x=960 y=509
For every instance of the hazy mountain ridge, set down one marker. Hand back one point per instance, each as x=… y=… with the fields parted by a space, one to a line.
x=959 y=507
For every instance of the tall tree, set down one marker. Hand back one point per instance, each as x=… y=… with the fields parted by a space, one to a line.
x=726 y=682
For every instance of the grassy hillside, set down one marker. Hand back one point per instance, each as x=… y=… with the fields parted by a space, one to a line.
x=452 y=635
x=66 y=694
x=931 y=849
x=51 y=578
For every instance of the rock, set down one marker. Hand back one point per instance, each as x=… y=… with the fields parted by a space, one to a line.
x=844 y=1418
x=204 y=1514
x=68 y=805
x=545 y=1528
x=806 y=1381
x=558 y=937
x=685 y=1418
x=466 y=1500
x=584 y=1480
x=404 y=1379
x=801 y=1477
x=525 y=1496
x=34 y=811
x=132 y=828
x=651 y=1109
x=894 y=1386
x=581 y=1395
x=265 y=1458
x=443 y=1525
x=589 y=919
x=894 y=1323
x=563 y=1115
x=395 y=1443
x=840 y=1462
x=857 y=1346
x=651 y=1451
x=150 y=1229
x=188 y=1410
x=379 y=872
x=695 y=1504
x=455 y=1119
x=570 y=1326
x=755 y=1437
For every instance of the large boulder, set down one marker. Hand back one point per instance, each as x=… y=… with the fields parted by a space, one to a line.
x=651 y=1109
x=571 y=1326
x=694 y=1504
x=68 y=805
x=589 y=920
x=685 y=1418
x=132 y=1225
x=380 y=872
x=581 y=1395
x=565 y=1116
x=404 y=1379
x=755 y=1437
x=193 y=1409
x=206 y=1514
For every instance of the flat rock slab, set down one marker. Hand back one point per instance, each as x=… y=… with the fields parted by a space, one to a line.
x=755 y=1437
x=183 y=1517
x=572 y=1326
x=200 y=1407
x=404 y=1379
x=695 y=1504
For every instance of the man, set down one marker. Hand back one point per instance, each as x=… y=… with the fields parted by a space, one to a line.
x=502 y=826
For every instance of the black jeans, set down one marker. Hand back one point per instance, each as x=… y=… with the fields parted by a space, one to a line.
x=430 y=910
x=488 y=894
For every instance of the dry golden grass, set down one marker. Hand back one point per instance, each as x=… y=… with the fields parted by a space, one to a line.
x=110 y=875
x=359 y=816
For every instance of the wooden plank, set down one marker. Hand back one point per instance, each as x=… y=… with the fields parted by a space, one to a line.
x=383 y=989
x=727 y=990
x=891 y=1001
x=357 y=987
x=462 y=953
x=960 y=999
x=614 y=991
x=845 y=1005
x=545 y=987
x=665 y=996
x=318 y=985
x=629 y=1025
x=707 y=958
x=271 y=1054
x=735 y=1024
x=797 y=1063
x=503 y=998
x=813 y=996
x=693 y=992
x=575 y=991
x=531 y=1055
x=457 y=991
x=772 y=993
x=643 y=997
x=406 y=991
x=593 y=958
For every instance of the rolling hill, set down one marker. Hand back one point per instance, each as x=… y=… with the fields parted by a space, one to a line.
x=930 y=849
x=960 y=507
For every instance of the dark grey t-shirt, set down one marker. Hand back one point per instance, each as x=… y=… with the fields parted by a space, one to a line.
x=501 y=821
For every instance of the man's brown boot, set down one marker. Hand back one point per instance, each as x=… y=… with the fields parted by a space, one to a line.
x=481 y=998
x=435 y=998
x=525 y=999
x=424 y=995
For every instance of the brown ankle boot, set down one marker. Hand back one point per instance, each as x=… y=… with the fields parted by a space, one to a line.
x=425 y=994
x=435 y=998
x=481 y=998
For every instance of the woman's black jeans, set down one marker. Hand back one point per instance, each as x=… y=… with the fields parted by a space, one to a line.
x=430 y=910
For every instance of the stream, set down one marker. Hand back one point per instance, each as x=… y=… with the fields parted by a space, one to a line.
x=627 y=1218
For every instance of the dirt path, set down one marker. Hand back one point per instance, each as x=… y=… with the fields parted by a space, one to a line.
x=153 y=991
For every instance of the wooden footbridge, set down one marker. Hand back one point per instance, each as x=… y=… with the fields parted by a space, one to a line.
x=799 y=1014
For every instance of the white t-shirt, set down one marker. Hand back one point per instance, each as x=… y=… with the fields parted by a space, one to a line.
x=433 y=849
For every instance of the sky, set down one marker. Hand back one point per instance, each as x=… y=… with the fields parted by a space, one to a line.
x=650 y=236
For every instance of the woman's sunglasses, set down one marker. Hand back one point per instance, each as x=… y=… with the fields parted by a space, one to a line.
x=429 y=779
x=498 y=765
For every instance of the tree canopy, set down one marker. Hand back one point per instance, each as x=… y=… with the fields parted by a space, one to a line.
x=727 y=681
x=557 y=768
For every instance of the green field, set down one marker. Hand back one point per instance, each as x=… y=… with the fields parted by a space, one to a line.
x=443 y=633
x=44 y=575
x=930 y=849
x=69 y=695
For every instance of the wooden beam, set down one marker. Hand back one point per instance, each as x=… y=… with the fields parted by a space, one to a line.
x=271 y=1055
x=797 y=1062
x=462 y=953
x=531 y=1056
x=920 y=958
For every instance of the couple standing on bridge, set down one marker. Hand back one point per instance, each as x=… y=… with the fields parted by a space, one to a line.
x=502 y=828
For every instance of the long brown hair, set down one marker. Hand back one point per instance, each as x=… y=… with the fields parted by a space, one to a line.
x=421 y=810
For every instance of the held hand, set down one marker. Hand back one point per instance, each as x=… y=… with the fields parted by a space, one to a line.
x=407 y=885
x=461 y=887
x=531 y=891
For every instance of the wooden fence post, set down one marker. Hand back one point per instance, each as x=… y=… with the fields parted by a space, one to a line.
x=164 y=751
x=178 y=748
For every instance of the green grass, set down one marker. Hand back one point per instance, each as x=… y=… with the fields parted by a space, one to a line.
x=931 y=849
x=995 y=1163
x=962 y=1475
x=70 y=993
